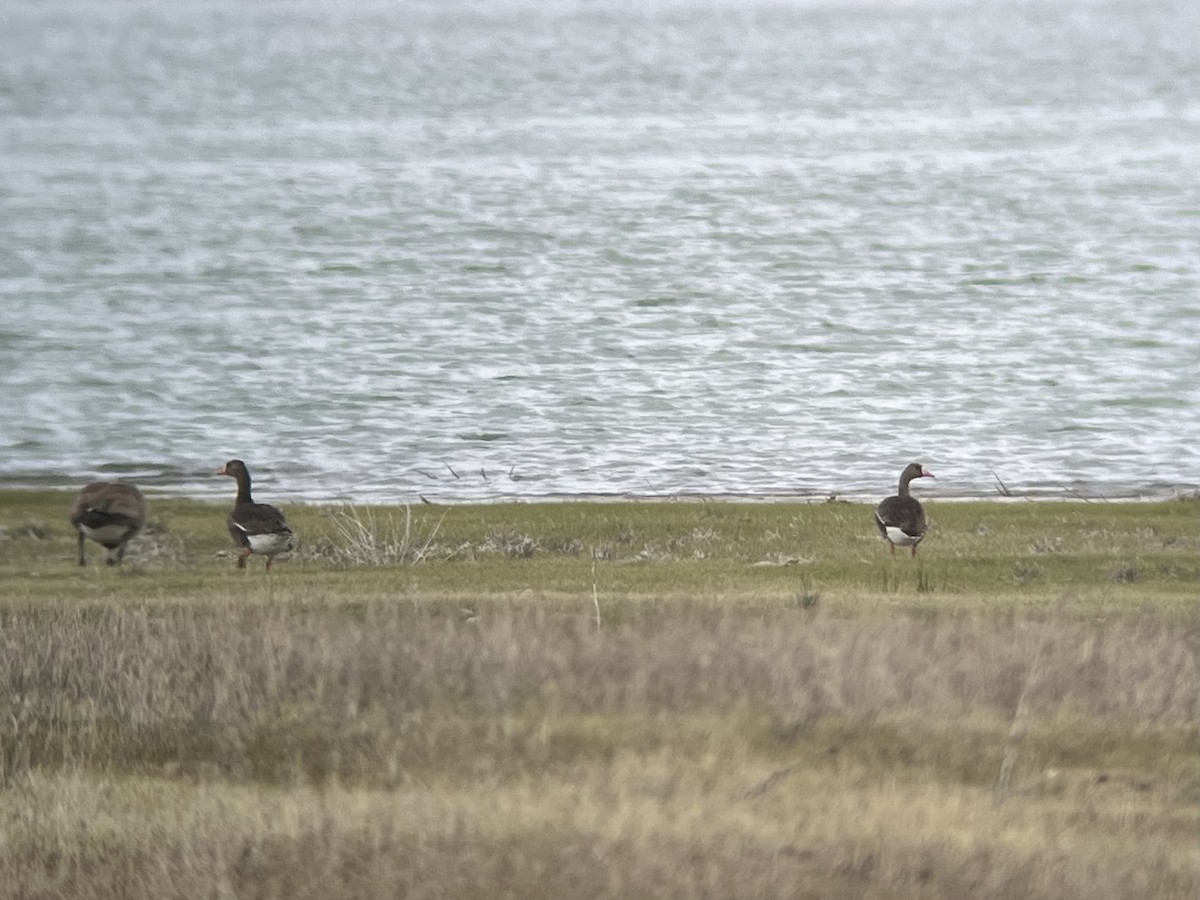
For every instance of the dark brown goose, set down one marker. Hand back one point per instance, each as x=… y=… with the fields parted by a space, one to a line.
x=901 y=519
x=255 y=527
x=109 y=513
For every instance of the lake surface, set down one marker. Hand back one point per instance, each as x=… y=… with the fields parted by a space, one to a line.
x=468 y=251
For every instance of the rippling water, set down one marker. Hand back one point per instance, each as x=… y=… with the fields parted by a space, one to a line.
x=466 y=251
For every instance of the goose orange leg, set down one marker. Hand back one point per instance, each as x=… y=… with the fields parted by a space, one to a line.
x=242 y=556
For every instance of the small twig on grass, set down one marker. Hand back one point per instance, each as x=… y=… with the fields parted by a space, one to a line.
x=595 y=592
x=1004 y=491
x=770 y=781
x=420 y=554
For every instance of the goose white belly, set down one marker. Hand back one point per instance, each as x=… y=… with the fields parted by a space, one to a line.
x=901 y=538
x=272 y=544
x=106 y=534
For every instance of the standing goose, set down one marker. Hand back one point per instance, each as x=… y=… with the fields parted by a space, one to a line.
x=109 y=513
x=255 y=527
x=901 y=519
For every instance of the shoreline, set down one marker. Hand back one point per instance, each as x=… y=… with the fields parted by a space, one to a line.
x=1076 y=492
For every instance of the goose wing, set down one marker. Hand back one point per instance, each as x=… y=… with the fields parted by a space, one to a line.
x=901 y=514
x=250 y=520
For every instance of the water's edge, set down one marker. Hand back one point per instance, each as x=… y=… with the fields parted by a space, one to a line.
x=1093 y=492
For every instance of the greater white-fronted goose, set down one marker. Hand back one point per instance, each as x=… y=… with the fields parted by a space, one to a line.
x=109 y=513
x=901 y=519
x=255 y=527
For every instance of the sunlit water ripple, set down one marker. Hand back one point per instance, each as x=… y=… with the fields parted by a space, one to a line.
x=466 y=252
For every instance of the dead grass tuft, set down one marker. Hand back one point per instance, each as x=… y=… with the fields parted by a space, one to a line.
x=1126 y=574
x=510 y=544
x=364 y=536
x=28 y=531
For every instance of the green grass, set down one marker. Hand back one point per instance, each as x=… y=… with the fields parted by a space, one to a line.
x=724 y=552
x=604 y=699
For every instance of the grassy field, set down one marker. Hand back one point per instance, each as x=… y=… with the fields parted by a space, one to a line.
x=605 y=700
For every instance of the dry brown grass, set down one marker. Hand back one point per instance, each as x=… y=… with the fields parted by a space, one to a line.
x=604 y=700
x=410 y=749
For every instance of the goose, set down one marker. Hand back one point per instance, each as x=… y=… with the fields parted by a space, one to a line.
x=111 y=514
x=901 y=519
x=255 y=527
